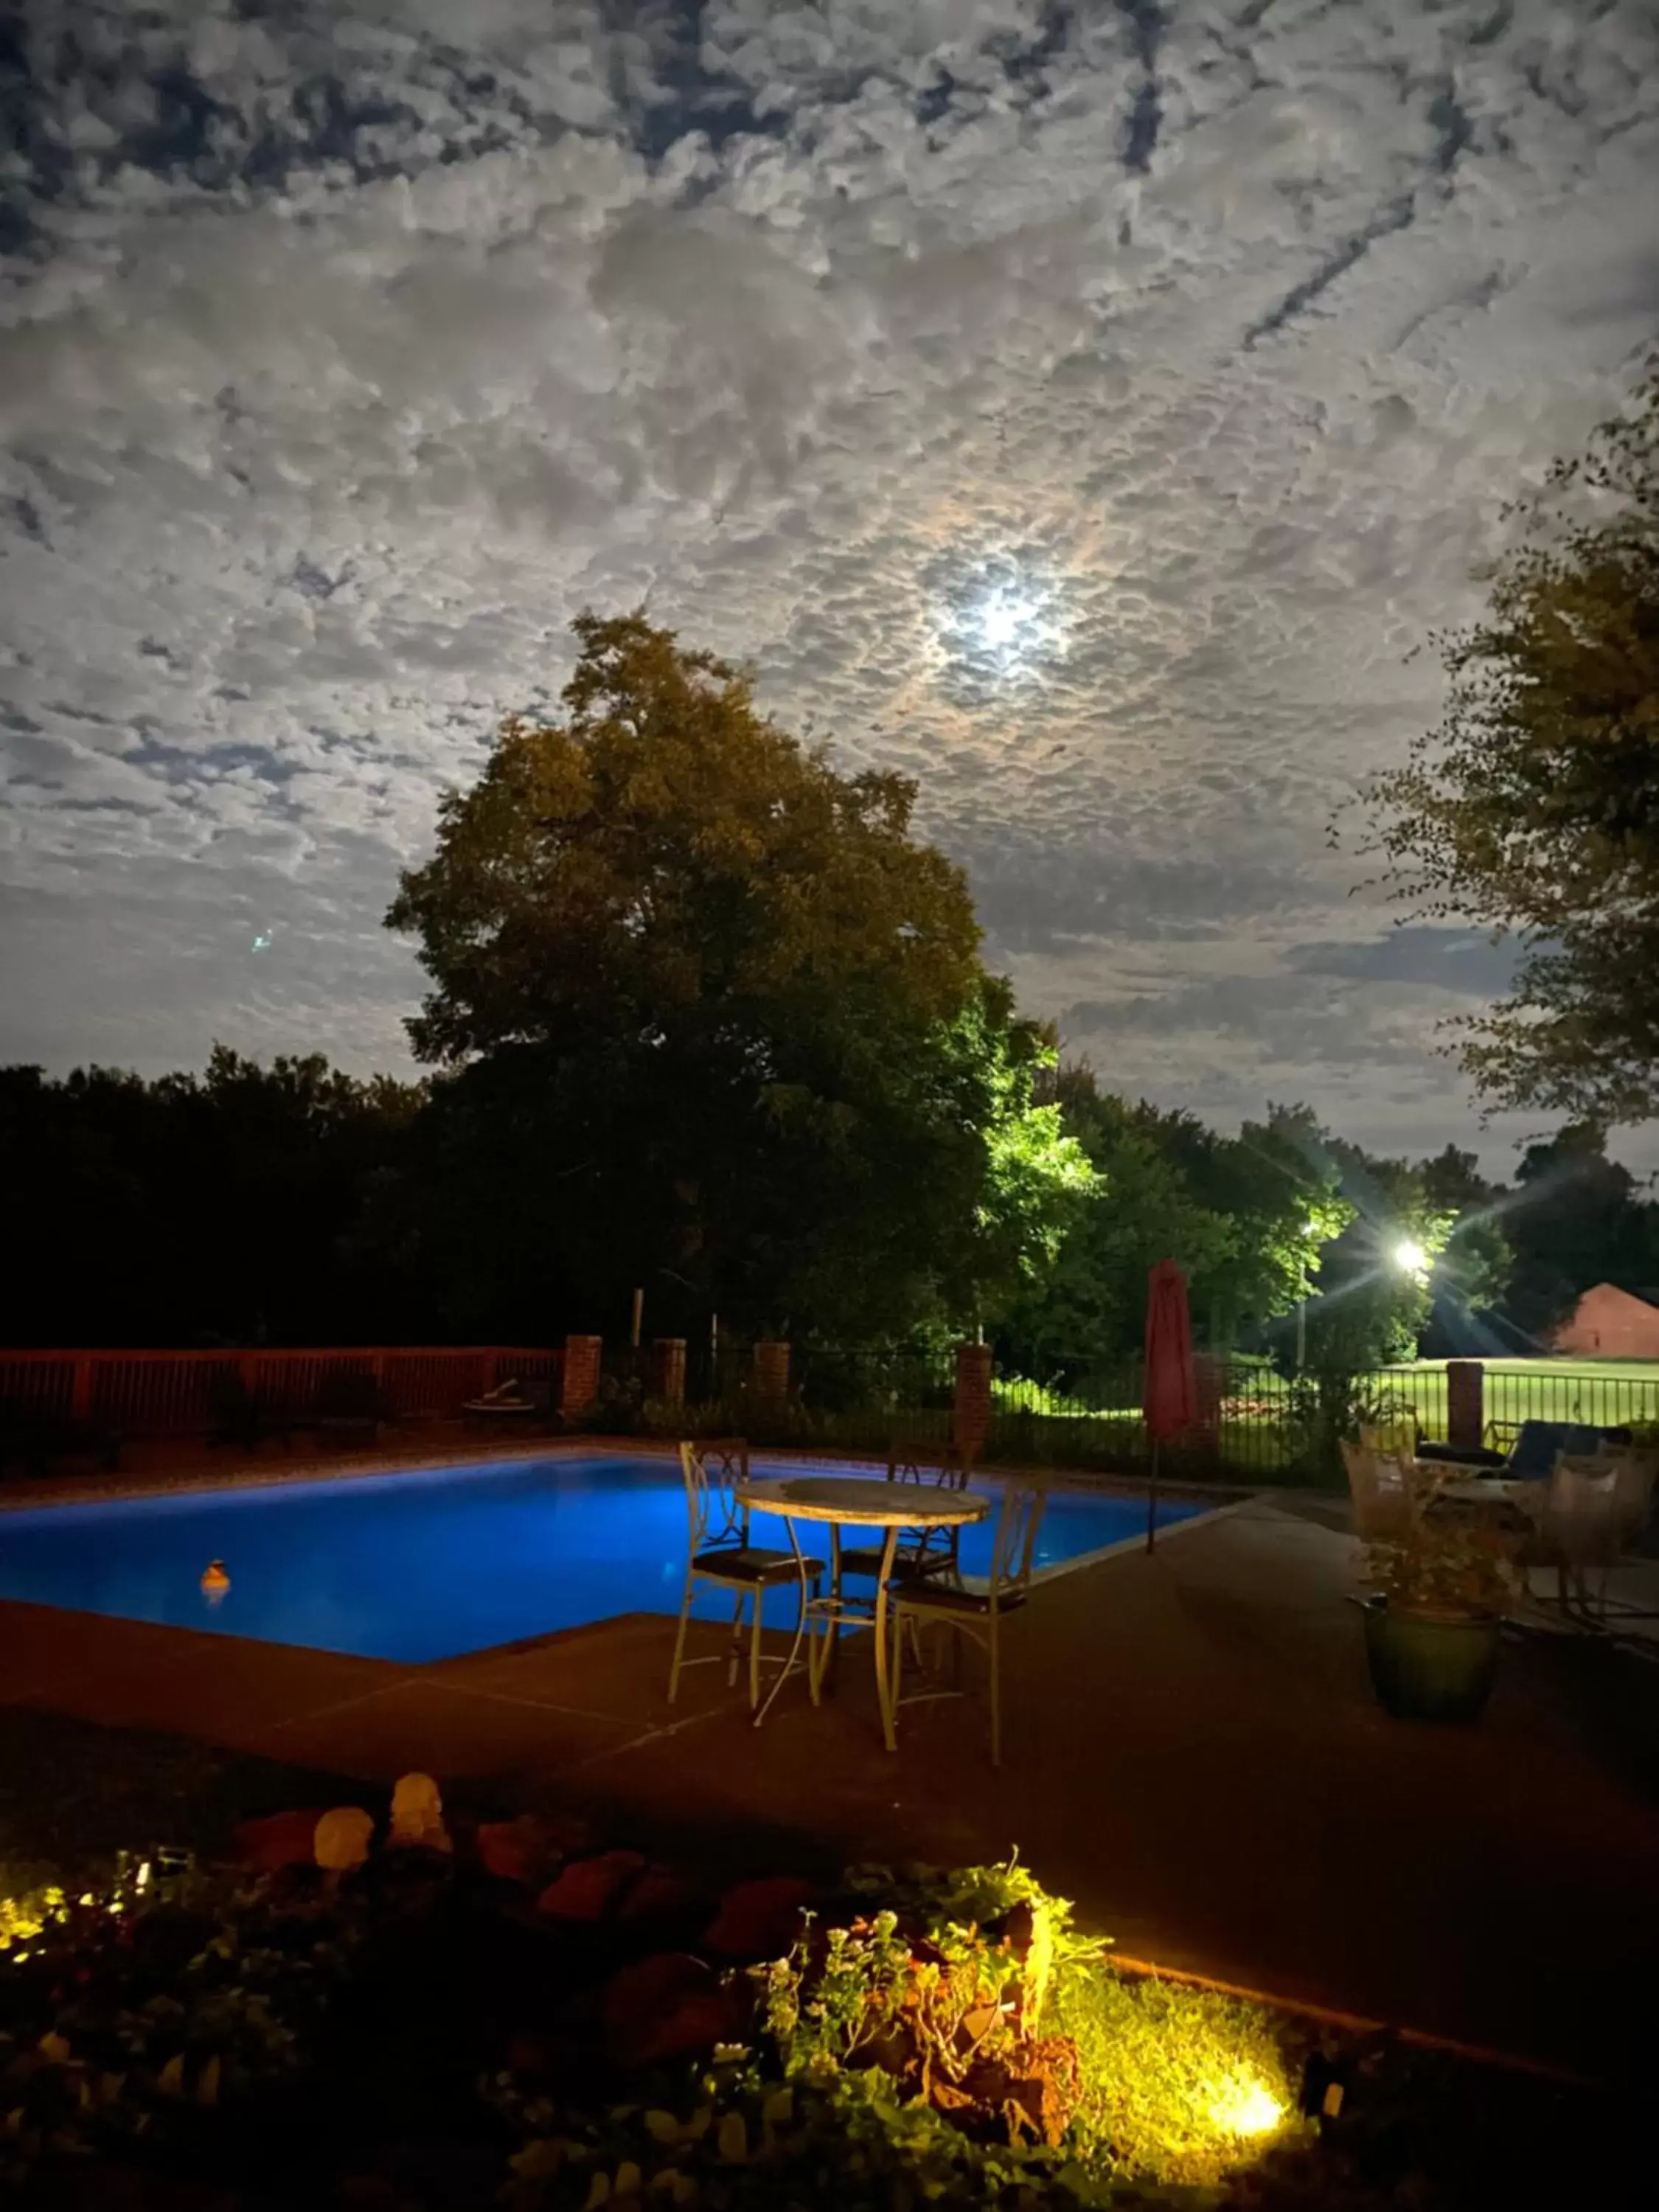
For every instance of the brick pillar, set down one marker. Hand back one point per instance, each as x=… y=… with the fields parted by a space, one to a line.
x=970 y=1418
x=1209 y=1387
x=769 y=1376
x=580 y=1389
x=668 y=1369
x=1466 y=1403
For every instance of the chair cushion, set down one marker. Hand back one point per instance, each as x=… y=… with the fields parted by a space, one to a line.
x=1540 y=1444
x=748 y=1563
x=925 y=1594
x=866 y=1559
x=918 y=1550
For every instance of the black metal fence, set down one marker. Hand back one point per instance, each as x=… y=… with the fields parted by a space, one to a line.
x=1255 y=1423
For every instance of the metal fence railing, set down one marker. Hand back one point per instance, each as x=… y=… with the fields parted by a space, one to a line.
x=158 y=1394
x=1254 y=1423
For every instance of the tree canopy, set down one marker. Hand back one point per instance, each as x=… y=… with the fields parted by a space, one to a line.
x=1534 y=808
x=222 y=1206
x=1244 y=1217
x=717 y=1017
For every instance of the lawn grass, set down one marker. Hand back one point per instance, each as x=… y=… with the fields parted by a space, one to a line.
x=1604 y=1393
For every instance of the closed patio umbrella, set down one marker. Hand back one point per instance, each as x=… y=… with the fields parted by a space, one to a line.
x=1169 y=1394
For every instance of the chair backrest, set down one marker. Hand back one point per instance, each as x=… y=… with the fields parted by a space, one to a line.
x=1582 y=1519
x=1636 y=1470
x=713 y=1467
x=1390 y=1439
x=946 y=1469
x=1014 y=1545
x=1539 y=1444
x=1384 y=1492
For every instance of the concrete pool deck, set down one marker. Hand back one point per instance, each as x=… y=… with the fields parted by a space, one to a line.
x=1193 y=1756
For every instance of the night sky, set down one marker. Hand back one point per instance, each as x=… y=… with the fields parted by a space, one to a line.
x=1088 y=409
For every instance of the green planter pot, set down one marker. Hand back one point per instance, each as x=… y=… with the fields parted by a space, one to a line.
x=1427 y=1666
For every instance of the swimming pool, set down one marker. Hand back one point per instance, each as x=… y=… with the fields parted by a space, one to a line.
x=432 y=1563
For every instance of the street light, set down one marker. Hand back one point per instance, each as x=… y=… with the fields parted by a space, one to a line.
x=1309 y=1229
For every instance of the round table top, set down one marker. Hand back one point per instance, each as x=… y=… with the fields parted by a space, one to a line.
x=868 y=1501
x=1492 y=1490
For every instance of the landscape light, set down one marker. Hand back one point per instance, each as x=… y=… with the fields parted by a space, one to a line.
x=1241 y=2108
x=1409 y=1256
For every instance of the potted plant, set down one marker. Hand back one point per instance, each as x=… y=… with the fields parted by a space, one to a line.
x=1433 y=1622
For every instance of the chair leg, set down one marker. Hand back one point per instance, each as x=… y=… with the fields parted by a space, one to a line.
x=754 y=1651
x=679 y=1644
x=734 y=1656
x=814 y=1676
x=900 y=1624
x=996 y=1691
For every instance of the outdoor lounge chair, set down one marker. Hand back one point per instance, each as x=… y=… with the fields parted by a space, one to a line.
x=721 y=1554
x=513 y=1404
x=1537 y=1448
x=971 y=1606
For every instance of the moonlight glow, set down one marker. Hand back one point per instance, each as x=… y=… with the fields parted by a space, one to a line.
x=1000 y=621
x=1003 y=623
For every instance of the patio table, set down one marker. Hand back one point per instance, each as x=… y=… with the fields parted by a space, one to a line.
x=1492 y=1491
x=855 y=1501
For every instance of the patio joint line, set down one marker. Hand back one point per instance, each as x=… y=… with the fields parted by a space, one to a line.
x=535 y=1704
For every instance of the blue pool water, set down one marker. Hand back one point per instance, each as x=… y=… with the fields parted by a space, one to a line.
x=430 y=1564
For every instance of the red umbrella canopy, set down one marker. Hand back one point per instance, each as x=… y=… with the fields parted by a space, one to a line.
x=1169 y=1400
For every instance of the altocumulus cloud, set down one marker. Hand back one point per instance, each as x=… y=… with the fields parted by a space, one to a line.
x=349 y=352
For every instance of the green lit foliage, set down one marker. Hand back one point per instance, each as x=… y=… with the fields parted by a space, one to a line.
x=953 y=2042
x=1368 y=1309
x=972 y=1995
x=718 y=1018
x=1245 y=1218
x=147 y=2019
x=1534 y=808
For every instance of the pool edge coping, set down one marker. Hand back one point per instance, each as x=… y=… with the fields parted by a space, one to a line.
x=113 y=1489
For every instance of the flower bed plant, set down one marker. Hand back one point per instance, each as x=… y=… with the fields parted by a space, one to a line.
x=491 y=2017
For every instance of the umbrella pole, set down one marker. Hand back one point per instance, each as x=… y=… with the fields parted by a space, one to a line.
x=1151 y=1498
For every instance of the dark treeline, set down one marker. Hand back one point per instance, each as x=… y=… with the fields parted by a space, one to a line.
x=237 y=1206
x=294 y=1203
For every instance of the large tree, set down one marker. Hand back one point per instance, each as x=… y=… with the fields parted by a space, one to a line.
x=1534 y=808
x=714 y=1023
x=1576 y=1221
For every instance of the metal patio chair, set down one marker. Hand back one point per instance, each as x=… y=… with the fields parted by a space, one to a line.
x=971 y=1606
x=1596 y=1507
x=1387 y=1491
x=920 y=1550
x=721 y=1555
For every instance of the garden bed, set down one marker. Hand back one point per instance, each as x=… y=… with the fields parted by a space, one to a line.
x=506 y=2012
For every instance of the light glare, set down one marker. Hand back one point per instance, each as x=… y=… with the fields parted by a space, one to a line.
x=1245 y=2108
x=1409 y=1256
x=1000 y=621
